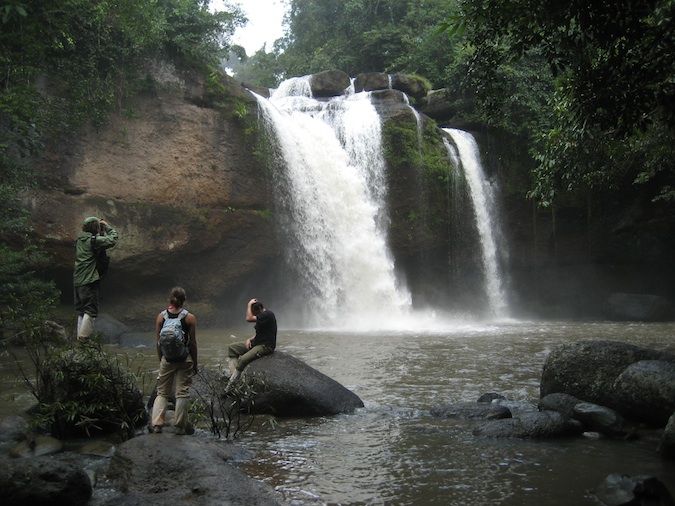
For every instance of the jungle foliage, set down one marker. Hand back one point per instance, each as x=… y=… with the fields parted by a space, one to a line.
x=66 y=63
x=589 y=87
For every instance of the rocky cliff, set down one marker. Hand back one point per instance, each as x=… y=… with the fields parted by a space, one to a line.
x=179 y=177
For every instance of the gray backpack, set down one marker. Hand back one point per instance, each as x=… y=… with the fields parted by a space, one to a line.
x=173 y=343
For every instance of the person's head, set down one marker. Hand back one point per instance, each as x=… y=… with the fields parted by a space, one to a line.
x=257 y=307
x=91 y=225
x=177 y=296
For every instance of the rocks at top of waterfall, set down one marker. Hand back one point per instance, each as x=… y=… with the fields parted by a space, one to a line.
x=169 y=469
x=371 y=81
x=411 y=85
x=536 y=425
x=329 y=83
x=645 y=391
x=292 y=388
x=624 y=490
x=667 y=443
x=589 y=369
x=258 y=90
x=560 y=402
x=639 y=307
x=47 y=480
x=471 y=411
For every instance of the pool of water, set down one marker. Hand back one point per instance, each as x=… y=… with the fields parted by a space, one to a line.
x=392 y=451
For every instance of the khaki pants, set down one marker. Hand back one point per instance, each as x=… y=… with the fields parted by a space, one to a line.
x=245 y=356
x=181 y=373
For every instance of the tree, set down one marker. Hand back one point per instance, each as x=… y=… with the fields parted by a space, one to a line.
x=613 y=65
x=64 y=63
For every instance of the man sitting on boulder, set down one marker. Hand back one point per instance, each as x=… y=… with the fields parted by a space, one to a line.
x=263 y=343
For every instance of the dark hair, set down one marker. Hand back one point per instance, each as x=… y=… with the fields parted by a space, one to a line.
x=91 y=226
x=177 y=296
x=256 y=307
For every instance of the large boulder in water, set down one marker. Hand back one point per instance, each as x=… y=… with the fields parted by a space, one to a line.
x=42 y=481
x=169 y=469
x=329 y=83
x=292 y=388
x=543 y=424
x=645 y=391
x=471 y=410
x=588 y=369
x=667 y=443
x=624 y=490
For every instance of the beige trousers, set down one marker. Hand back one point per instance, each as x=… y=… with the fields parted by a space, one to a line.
x=181 y=373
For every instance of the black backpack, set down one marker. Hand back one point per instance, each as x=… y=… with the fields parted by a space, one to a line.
x=102 y=258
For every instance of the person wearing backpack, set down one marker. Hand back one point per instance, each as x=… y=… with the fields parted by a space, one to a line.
x=91 y=265
x=177 y=351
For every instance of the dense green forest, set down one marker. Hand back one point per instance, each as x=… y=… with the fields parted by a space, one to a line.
x=588 y=88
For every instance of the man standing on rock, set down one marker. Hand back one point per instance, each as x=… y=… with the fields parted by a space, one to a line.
x=91 y=264
x=263 y=343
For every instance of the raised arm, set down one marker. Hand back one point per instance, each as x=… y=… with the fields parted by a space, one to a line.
x=109 y=237
x=250 y=317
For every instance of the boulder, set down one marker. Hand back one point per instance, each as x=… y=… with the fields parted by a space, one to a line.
x=329 y=83
x=411 y=85
x=43 y=481
x=599 y=419
x=639 y=307
x=667 y=443
x=490 y=396
x=517 y=408
x=562 y=403
x=292 y=388
x=437 y=105
x=645 y=391
x=542 y=424
x=624 y=490
x=109 y=328
x=471 y=410
x=588 y=369
x=169 y=469
x=370 y=81
x=36 y=446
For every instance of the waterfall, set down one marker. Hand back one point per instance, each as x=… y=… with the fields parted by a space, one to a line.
x=332 y=192
x=482 y=198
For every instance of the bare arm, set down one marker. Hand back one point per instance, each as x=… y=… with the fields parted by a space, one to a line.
x=191 y=320
x=250 y=317
x=159 y=321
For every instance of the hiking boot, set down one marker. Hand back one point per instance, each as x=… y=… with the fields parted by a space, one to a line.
x=155 y=429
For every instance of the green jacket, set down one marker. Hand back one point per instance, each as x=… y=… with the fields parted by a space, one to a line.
x=85 y=260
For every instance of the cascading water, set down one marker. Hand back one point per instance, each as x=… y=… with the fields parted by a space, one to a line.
x=481 y=195
x=334 y=201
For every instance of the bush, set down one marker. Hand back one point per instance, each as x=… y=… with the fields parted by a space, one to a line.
x=83 y=390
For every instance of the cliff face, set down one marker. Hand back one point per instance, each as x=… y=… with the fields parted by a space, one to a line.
x=180 y=181
x=185 y=177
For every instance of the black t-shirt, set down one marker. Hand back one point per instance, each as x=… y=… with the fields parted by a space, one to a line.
x=266 y=329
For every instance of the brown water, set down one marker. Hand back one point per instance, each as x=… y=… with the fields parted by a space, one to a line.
x=393 y=452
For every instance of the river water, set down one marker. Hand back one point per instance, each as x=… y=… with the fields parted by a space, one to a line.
x=393 y=452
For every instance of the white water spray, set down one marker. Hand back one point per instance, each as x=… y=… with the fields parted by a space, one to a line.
x=334 y=173
x=481 y=195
